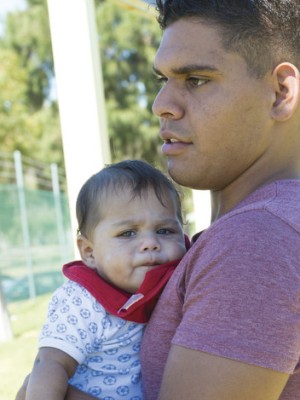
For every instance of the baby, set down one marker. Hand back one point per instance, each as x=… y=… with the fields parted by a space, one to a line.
x=130 y=239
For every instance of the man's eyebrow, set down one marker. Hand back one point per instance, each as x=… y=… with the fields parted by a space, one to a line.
x=188 y=69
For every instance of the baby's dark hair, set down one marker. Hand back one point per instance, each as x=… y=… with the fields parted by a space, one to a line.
x=263 y=32
x=137 y=175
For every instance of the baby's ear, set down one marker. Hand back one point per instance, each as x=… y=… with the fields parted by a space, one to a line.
x=86 y=249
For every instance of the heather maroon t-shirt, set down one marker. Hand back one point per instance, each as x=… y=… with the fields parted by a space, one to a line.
x=236 y=293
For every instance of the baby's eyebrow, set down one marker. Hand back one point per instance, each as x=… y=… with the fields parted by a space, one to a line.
x=134 y=222
x=124 y=222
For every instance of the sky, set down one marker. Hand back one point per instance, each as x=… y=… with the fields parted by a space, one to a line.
x=9 y=5
x=12 y=5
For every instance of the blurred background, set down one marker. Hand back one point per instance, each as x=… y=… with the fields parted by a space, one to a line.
x=76 y=89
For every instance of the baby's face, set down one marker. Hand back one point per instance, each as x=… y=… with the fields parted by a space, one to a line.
x=134 y=236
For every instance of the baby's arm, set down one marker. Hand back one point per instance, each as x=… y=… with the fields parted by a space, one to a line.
x=49 y=377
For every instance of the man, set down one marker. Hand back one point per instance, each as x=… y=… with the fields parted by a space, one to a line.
x=228 y=323
x=227 y=326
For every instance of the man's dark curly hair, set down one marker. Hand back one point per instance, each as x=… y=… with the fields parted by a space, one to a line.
x=263 y=32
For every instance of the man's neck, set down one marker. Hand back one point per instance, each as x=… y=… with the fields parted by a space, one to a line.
x=223 y=201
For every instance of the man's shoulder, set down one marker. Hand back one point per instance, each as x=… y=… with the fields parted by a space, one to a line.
x=267 y=216
x=276 y=204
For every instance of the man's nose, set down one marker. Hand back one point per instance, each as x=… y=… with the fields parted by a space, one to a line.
x=165 y=104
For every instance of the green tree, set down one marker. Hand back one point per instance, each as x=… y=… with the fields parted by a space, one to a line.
x=128 y=42
x=28 y=34
x=30 y=119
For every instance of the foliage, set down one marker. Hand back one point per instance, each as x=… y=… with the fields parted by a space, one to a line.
x=29 y=117
x=28 y=34
x=128 y=44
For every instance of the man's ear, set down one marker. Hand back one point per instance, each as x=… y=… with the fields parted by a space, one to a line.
x=287 y=80
x=86 y=249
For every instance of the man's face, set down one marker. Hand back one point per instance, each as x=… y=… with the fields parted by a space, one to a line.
x=214 y=115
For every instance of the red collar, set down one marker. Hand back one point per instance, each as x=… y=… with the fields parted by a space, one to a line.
x=132 y=307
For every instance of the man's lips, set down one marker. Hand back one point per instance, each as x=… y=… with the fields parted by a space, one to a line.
x=172 y=140
x=168 y=135
x=173 y=145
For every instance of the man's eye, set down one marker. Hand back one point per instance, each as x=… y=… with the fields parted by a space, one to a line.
x=161 y=80
x=196 y=82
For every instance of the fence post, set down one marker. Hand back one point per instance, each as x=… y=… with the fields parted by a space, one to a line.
x=58 y=212
x=5 y=327
x=24 y=221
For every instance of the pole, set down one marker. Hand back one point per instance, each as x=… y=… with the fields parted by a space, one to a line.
x=24 y=221
x=58 y=213
x=80 y=92
x=5 y=327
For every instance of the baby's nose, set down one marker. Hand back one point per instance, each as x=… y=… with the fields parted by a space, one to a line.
x=150 y=243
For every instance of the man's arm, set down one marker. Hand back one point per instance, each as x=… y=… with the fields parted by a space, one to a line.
x=195 y=375
x=72 y=393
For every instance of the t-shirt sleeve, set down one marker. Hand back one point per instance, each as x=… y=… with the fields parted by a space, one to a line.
x=74 y=322
x=242 y=291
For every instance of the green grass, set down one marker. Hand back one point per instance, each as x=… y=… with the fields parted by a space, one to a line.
x=17 y=355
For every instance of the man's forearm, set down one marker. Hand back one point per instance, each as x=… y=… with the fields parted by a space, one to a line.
x=75 y=394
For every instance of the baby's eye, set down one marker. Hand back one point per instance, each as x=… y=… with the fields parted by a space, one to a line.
x=164 y=231
x=127 y=234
